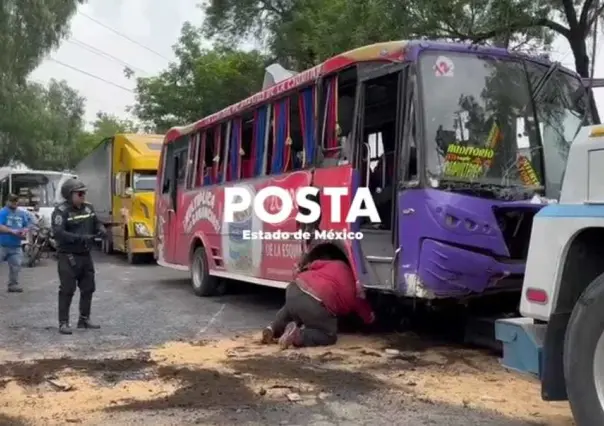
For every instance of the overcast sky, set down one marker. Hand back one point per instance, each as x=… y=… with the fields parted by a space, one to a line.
x=155 y=25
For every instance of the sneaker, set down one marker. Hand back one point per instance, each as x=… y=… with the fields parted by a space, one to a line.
x=65 y=329
x=85 y=323
x=267 y=336
x=15 y=288
x=291 y=336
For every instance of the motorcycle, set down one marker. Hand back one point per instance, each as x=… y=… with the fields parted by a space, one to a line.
x=36 y=246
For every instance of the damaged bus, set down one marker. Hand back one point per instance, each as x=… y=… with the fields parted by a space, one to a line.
x=460 y=146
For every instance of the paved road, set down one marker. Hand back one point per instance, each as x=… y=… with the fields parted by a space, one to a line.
x=144 y=306
x=137 y=307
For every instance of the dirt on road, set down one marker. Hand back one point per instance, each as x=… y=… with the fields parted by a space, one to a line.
x=240 y=374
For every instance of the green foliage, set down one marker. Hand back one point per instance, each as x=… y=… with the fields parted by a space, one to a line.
x=43 y=126
x=201 y=82
x=32 y=117
x=300 y=33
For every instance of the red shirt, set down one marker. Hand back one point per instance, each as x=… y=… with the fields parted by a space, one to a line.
x=332 y=282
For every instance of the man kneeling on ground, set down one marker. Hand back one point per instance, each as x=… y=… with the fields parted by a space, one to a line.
x=320 y=292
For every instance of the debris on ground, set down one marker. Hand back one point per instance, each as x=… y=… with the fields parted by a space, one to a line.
x=239 y=372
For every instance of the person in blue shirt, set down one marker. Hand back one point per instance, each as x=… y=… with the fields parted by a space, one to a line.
x=14 y=223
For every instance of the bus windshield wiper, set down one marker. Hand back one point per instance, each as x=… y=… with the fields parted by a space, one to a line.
x=545 y=79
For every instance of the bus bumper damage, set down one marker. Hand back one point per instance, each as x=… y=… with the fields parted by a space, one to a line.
x=455 y=245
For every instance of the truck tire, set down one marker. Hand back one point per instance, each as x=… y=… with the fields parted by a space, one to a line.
x=203 y=283
x=585 y=329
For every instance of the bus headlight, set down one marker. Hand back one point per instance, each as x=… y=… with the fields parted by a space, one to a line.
x=141 y=230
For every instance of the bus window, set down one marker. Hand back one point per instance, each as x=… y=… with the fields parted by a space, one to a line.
x=225 y=135
x=248 y=145
x=308 y=123
x=167 y=171
x=194 y=143
x=281 y=136
x=337 y=116
x=295 y=159
x=181 y=164
x=200 y=160
x=270 y=141
x=233 y=161
x=259 y=145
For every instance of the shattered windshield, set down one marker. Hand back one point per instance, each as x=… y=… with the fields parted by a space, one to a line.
x=476 y=111
x=562 y=108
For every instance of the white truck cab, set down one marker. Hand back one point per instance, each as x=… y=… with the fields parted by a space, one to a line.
x=560 y=336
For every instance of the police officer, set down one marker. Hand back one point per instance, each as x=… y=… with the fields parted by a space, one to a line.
x=75 y=225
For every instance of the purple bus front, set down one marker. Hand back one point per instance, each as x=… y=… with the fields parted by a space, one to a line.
x=487 y=148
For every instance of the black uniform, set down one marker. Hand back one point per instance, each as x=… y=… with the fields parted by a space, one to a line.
x=74 y=230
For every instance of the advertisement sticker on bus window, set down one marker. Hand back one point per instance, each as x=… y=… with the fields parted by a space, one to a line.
x=444 y=67
x=528 y=176
x=467 y=161
x=495 y=136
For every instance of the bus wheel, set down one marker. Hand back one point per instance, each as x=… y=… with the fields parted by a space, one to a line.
x=584 y=356
x=203 y=283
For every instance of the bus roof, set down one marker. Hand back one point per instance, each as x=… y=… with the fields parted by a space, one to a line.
x=393 y=51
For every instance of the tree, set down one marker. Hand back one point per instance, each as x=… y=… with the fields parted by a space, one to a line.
x=201 y=82
x=29 y=29
x=44 y=127
x=505 y=20
x=105 y=125
x=302 y=31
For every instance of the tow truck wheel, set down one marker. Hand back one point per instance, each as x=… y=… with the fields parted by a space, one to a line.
x=584 y=356
x=203 y=283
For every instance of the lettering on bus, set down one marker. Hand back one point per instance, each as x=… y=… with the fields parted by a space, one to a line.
x=527 y=172
x=201 y=208
x=300 y=79
x=283 y=249
x=467 y=161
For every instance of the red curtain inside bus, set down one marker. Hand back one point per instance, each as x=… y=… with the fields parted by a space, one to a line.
x=306 y=103
x=331 y=137
x=259 y=141
x=234 y=164
x=281 y=150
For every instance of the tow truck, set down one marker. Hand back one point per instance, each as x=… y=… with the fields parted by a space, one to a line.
x=559 y=337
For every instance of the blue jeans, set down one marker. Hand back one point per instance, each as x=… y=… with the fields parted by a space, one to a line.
x=14 y=257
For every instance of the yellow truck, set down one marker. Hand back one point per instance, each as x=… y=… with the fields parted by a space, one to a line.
x=120 y=174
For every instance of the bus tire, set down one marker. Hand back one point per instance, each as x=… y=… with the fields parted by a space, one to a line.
x=584 y=331
x=204 y=285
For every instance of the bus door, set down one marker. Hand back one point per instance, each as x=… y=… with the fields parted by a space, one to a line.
x=378 y=136
x=407 y=180
x=171 y=198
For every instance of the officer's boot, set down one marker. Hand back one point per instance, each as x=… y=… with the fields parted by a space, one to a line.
x=64 y=305
x=85 y=304
x=64 y=328
x=84 y=322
